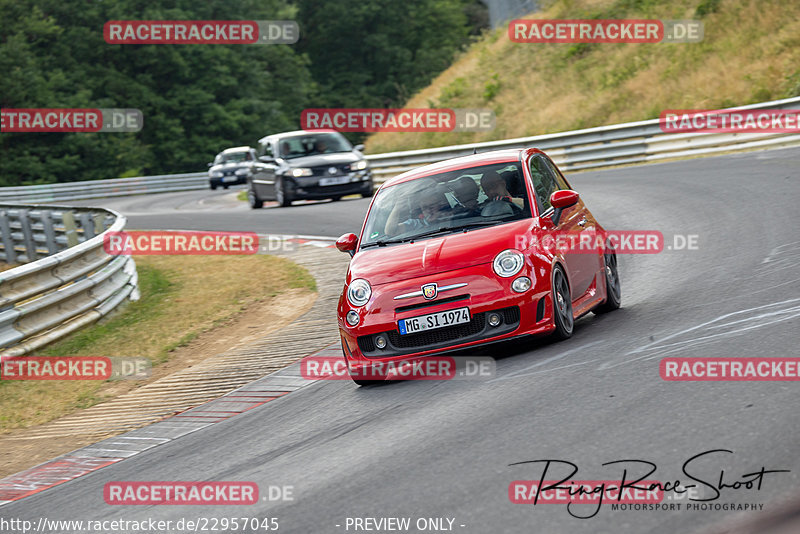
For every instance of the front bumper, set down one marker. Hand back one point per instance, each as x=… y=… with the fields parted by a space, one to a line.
x=485 y=293
x=309 y=188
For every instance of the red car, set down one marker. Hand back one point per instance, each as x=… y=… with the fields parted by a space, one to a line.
x=451 y=256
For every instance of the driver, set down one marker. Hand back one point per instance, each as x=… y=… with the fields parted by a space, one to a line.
x=434 y=207
x=466 y=192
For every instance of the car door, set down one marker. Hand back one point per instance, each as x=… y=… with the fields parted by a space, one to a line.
x=264 y=171
x=575 y=222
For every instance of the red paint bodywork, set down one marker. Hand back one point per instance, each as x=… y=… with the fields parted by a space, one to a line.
x=467 y=257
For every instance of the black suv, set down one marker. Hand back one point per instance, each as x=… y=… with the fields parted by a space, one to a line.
x=307 y=165
x=231 y=166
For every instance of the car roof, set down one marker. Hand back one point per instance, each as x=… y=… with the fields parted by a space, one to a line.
x=236 y=149
x=484 y=158
x=272 y=137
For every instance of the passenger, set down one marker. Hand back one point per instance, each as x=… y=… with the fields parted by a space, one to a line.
x=320 y=146
x=495 y=189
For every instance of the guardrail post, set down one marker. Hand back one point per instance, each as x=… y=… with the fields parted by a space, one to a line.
x=8 y=242
x=27 y=235
x=70 y=228
x=49 y=232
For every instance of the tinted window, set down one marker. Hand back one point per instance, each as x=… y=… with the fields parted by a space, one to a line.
x=447 y=202
x=544 y=182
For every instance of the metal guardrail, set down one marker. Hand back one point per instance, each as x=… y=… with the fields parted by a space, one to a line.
x=592 y=148
x=114 y=187
x=67 y=280
x=605 y=146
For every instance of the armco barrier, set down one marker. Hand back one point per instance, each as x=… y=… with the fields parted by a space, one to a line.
x=605 y=146
x=592 y=148
x=67 y=280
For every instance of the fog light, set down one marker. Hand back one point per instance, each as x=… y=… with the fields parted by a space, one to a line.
x=494 y=319
x=521 y=284
x=380 y=342
x=352 y=318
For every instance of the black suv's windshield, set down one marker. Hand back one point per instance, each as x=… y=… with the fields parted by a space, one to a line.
x=312 y=144
x=446 y=203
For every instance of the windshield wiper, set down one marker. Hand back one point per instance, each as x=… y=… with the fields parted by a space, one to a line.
x=384 y=242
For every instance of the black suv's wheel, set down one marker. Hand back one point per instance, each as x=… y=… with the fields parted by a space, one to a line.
x=212 y=186
x=562 y=305
x=253 y=200
x=613 y=286
x=280 y=194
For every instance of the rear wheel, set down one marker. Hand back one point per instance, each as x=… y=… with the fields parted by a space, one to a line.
x=213 y=186
x=613 y=286
x=562 y=305
x=253 y=199
x=225 y=186
x=336 y=199
x=280 y=194
x=366 y=382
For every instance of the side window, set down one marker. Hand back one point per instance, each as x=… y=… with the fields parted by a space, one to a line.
x=560 y=180
x=544 y=182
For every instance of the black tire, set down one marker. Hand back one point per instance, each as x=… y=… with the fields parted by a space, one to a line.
x=613 y=286
x=562 y=305
x=336 y=199
x=225 y=186
x=369 y=193
x=363 y=383
x=253 y=200
x=280 y=194
x=213 y=187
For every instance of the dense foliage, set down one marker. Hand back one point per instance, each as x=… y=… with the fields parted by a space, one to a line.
x=200 y=99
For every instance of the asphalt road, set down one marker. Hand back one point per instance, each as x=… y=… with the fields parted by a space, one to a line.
x=424 y=449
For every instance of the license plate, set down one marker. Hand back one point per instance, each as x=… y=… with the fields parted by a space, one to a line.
x=433 y=321
x=229 y=178
x=334 y=181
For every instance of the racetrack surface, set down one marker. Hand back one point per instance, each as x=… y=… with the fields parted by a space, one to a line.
x=443 y=449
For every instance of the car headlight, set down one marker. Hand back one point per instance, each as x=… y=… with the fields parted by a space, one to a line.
x=242 y=172
x=508 y=263
x=216 y=174
x=359 y=292
x=359 y=165
x=301 y=171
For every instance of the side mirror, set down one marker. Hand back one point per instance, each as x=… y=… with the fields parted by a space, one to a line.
x=266 y=159
x=347 y=243
x=561 y=200
x=360 y=148
x=210 y=164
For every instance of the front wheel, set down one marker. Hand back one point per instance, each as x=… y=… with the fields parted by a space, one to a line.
x=253 y=200
x=213 y=187
x=613 y=286
x=562 y=305
x=280 y=194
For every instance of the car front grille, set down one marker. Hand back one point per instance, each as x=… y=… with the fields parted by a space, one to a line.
x=324 y=170
x=476 y=329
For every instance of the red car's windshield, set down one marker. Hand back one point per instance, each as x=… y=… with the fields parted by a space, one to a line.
x=447 y=202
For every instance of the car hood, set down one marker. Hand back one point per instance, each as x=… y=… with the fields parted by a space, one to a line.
x=429 y=256
x=317 y=160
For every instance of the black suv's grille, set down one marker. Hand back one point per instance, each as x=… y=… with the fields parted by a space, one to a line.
x=341 y=169
x=440 y=335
